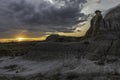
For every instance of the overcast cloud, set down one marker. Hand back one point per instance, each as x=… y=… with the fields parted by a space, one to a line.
x=36 y=17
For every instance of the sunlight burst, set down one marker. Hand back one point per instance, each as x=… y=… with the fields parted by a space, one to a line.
x=20 y=39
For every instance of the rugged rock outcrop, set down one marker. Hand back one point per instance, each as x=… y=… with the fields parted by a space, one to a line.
x=112 y=19
x=58 y=38
x=95 y=58
x=104 y=44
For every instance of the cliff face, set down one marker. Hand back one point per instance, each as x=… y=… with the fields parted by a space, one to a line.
x=105 y=43
x=95 y=58
x=112 y=19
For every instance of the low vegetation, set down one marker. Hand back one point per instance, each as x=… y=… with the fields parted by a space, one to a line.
x=70 y=76
x=15 y=49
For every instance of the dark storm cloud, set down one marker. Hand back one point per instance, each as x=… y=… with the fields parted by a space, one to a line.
x=47 y=13
x=23 y=14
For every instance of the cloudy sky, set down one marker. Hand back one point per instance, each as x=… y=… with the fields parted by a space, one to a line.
x=34 y=18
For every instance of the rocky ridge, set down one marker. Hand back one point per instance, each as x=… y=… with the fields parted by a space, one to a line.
x=96 y=58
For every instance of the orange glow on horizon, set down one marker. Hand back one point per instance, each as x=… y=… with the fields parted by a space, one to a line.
x=21 y=39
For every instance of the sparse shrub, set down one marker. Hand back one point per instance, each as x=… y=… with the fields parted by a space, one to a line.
x=17 y=78
x=38 y=77
x=87 y=42
x=11 y=78
x=11 y=67
x=72 y=76
x=3 y=78
x=5 y=52
x=57 y=76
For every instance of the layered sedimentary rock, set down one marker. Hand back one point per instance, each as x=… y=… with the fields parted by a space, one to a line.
x=106 y=43
x=112 y=19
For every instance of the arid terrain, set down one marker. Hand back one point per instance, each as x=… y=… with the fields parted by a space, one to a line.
x=93 y=58
x=57 y=61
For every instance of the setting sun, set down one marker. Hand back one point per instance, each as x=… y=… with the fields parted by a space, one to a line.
x=20 y=39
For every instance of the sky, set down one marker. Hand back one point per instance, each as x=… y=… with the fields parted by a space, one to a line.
x=36 y=18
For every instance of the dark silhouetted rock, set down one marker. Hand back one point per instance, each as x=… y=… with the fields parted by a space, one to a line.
x=97 y=23
x=58 y=38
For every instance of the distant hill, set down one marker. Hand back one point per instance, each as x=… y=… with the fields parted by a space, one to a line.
x=58 y=38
